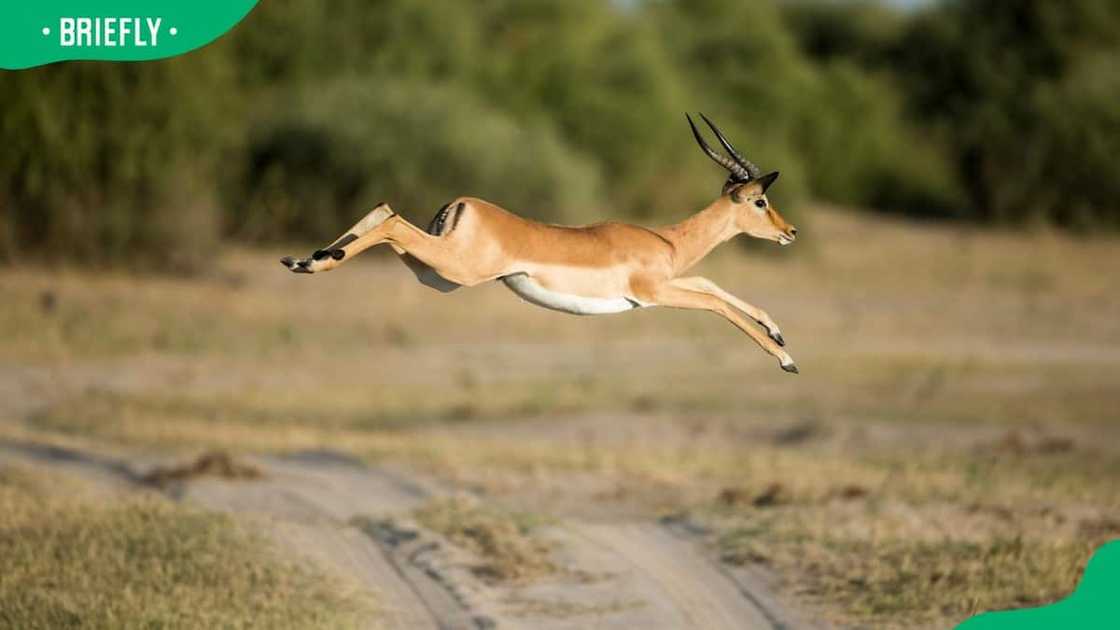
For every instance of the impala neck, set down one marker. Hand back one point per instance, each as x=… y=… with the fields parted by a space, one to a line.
x=695 y=237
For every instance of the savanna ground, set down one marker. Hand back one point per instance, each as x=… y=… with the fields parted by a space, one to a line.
x=950 y=445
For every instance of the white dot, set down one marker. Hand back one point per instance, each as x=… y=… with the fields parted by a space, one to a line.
x=46 y=30
x=174 y=31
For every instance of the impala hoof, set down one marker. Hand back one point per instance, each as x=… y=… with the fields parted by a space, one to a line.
x=777 y=337
x=791 y=368
x=295 y=266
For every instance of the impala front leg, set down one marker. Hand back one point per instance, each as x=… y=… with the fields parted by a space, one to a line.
x=674 y=296
x=704 y=285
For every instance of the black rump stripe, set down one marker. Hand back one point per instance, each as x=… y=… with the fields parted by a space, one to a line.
x=435 y=228
x=439 y=225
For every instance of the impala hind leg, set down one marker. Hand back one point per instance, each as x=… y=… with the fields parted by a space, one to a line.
x=316 y=262
x=439 y=253
x=674 y=296
x=453 y=262
x=703 y=285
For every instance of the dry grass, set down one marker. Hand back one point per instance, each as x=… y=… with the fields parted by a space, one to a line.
x=958 y=393
x=212 y=464
x=145 y=563
x=502 y=540
x=905 y=583
x=898 y=563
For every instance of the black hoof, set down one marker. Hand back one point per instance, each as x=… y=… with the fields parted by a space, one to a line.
x=297 y=266
x=791 y=368
x=777 y=337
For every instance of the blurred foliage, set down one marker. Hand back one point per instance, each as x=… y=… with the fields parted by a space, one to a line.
x=307 y=114
x=103 y=162
x=327 y=158
x=1026 y=93
x=860 y=29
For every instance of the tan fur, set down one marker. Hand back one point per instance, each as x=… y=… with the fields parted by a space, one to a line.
x=605 y=260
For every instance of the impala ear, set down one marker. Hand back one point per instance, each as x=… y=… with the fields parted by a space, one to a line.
x=734 y=188
x=767 y=180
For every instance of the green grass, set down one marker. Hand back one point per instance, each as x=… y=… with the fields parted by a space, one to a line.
x=71 y=562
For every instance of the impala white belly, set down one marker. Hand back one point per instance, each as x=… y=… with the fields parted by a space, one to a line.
x=533 y=293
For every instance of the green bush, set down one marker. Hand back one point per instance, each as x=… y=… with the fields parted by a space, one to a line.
x=287 y=44
x=343 y=147
x=855 y=30
x=744 y=71
x=110 y=162
x=1026 y=94
x=1077 y=183
x=607 y=83
x=308 y=113
x=861 y=151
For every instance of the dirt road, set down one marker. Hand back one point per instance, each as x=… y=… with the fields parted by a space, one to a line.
x=355 y=521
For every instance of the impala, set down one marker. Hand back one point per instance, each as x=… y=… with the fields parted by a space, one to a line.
x=587 y=270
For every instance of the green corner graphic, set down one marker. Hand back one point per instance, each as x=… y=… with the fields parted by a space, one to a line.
x=1094 y=604
x=46 y=31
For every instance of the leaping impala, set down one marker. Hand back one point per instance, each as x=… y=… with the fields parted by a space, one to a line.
x=589 y=270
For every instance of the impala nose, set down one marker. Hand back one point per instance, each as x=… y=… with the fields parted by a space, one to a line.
x=792 y=232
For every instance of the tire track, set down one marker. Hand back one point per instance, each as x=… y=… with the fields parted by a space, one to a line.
x=697 y=595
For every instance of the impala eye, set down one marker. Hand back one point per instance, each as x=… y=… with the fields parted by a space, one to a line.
x=761 y=203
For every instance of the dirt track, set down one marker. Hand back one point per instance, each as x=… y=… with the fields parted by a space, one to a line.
x=355 y=521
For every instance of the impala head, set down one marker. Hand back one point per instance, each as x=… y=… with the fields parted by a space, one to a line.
x=745 y=189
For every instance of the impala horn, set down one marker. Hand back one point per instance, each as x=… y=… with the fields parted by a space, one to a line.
x=741 y=168
x=754 y=171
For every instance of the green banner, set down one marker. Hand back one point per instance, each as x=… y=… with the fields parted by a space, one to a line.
x=1094 y=605
x=37 y=32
